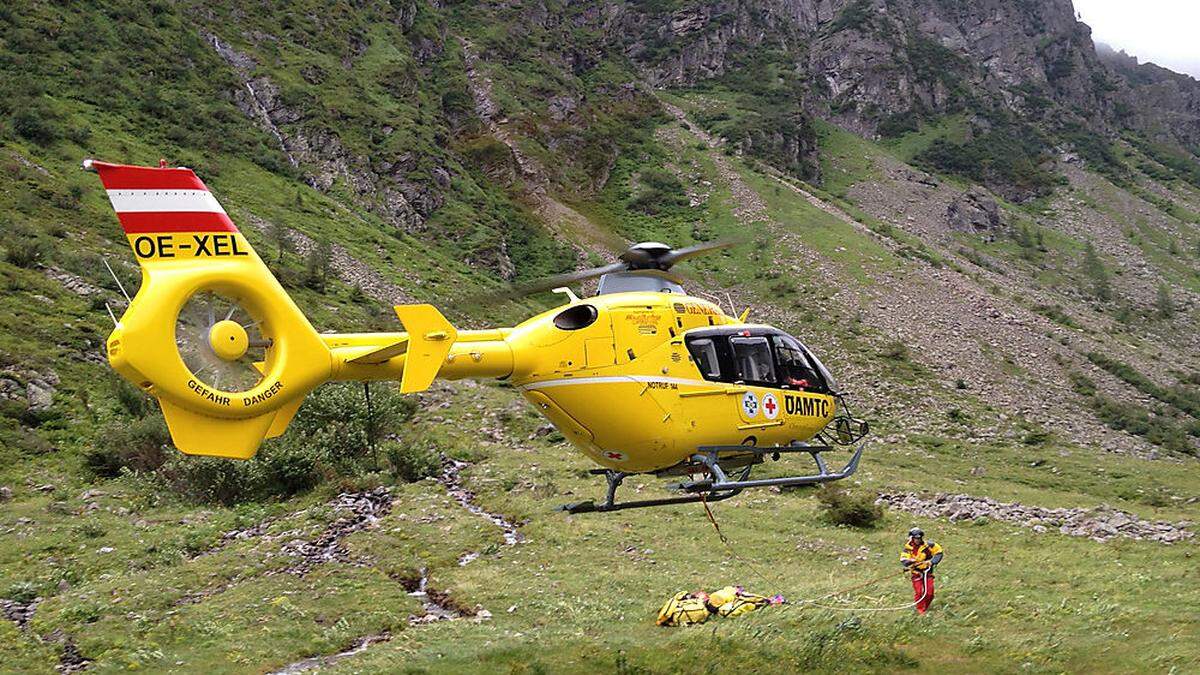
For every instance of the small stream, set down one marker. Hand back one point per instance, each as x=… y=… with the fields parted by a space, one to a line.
x=360 y=645
x=436 y=604
x=225 y=52
x=453 y=483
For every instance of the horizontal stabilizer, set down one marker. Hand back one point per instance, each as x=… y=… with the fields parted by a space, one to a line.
x=383 y=353
x=430 y=337
x=197 y=434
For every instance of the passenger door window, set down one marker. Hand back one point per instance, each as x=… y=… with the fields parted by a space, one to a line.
x=704 y=353
x=752 y=361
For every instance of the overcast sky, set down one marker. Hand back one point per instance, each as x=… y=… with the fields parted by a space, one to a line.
x=1159 y=31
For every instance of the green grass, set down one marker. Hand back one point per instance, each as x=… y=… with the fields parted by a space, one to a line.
x=583 y=590
x=953 y=128
x=858 y=255
x=845 y=158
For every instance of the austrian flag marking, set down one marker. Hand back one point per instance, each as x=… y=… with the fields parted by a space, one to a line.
x=149 y=200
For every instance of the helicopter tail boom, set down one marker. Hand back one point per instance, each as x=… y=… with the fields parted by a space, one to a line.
x=214 y=337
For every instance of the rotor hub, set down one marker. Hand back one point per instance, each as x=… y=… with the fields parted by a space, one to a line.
x=228 y=340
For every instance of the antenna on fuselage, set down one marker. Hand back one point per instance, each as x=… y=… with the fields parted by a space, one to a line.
x=567 y=292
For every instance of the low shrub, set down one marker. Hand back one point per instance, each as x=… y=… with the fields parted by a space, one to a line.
x=38 y=123
x=1082 y=384
x=1036 y=437
x=1181 y=396
x=849 y=507
x=21 y=592
x=895 y=351
x=133 y=400
x=411 y=462
x=337 y=424
x=278 y=471
x=334 y=434
x=1157 y=429
x=660 y=190
x=24 y=249
x=138 y=445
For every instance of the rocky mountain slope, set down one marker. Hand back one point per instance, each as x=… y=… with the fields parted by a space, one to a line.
x=989 y=231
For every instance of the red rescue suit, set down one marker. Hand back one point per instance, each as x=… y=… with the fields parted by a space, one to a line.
x=920 y=557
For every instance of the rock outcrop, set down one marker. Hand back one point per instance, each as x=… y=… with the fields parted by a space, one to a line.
x=975 y=212
x=379 y=184
x=867 y=60
x=1098 y=524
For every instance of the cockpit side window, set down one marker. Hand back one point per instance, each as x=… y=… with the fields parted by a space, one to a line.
x=704 y=353
x=796 y=371
x=752 y=361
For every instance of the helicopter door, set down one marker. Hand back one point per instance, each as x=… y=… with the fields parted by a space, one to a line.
x=796 y=369
x=752 y=361
x=704 y=354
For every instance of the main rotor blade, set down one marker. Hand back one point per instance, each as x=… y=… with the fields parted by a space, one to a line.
x=544 y=284
x=681 y=254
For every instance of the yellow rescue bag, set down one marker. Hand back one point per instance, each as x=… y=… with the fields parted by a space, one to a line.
x=683 y=609
x=742 y=603
x=735 y=601
x=723 y=596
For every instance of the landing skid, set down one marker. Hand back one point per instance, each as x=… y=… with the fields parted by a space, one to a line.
x=719 y=486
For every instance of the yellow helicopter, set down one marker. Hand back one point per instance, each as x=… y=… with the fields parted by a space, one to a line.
x=642 y=378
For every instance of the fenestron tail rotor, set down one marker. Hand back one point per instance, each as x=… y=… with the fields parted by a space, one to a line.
x=220 y=342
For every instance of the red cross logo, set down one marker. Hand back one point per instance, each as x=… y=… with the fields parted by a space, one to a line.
x=770 y=406
x=614 y=455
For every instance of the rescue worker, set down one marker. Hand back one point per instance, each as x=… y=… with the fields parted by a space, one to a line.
x=919 y=558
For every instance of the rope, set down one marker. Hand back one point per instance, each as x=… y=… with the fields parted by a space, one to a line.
x=914 y=603
x=729 y=545
x=816 y=603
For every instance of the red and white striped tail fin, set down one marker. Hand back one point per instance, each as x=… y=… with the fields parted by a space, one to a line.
x=168 y=213
x=188 y=248
x=150 y=199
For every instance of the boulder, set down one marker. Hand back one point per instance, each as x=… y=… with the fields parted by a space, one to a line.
x=976 y=212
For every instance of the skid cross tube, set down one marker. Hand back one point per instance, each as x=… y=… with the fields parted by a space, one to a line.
x=614 y=479
x=720 y=486
x=708 y=456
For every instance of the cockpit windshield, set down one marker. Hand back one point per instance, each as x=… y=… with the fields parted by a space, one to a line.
x=794 y=366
